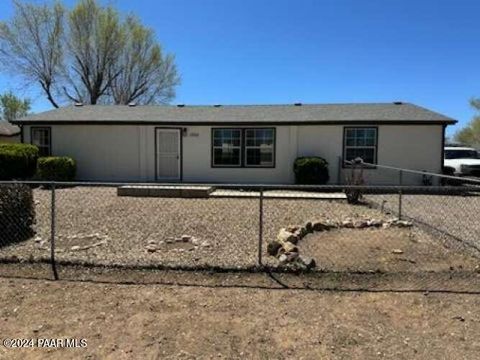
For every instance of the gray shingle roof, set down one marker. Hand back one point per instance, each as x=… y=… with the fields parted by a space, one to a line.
x=311 y=113
x=7 y=129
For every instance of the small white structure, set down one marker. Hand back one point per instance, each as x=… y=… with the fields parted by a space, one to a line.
x=238 y=144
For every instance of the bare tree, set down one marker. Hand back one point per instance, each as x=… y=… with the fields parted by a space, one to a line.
x=95 y=40
x=30 y=44
x=88 y=54
x=145 y=74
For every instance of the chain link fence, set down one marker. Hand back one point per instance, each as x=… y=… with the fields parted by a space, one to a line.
x=393 y=237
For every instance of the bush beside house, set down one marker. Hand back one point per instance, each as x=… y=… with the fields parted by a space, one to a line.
x=17 y=161
x=56 y=168
x=17 y=213
x=311 y=170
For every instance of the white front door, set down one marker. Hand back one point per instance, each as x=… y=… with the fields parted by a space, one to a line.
x=168 y=154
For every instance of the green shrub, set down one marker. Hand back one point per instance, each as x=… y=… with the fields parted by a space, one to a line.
x=56 y=168
x=17 y=161
x=311 y=170
x=17 y=213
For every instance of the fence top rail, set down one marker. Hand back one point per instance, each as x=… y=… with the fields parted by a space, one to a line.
x=258 y=187
x=466 y=179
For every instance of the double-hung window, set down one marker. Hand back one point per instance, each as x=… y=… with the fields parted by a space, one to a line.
x=243 y=147
x=360 y=142
x=259 y=147
x=227 y=145
x=41 y=137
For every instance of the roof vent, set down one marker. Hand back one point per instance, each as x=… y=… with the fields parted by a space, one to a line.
x=398 y=103
x=217 y=105
x=298 y=104
x=180 y=105
x=78 y=104
x=132 y=104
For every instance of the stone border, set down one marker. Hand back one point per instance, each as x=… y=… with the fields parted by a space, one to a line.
x=285 y=247
x=154 y=246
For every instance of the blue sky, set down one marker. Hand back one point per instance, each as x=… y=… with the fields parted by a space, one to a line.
x=314 y=51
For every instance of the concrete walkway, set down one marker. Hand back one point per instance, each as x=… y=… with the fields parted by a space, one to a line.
x=278 y=194
x=184 y=191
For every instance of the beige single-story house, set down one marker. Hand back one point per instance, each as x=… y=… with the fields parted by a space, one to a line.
x=238 y=144
x=9 y=133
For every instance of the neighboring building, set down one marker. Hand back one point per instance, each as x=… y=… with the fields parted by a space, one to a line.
x=238 y=144
x=9 y=132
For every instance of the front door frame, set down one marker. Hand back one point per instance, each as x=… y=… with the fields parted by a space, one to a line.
x=180 y=135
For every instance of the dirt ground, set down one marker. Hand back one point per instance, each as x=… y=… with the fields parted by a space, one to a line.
x=234 y=321
x=384 y=250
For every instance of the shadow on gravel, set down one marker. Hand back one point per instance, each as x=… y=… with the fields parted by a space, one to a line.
x=455 y=282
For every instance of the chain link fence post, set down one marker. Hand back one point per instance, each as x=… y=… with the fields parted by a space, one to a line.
x=339 y=171
x=400 y=181
x=52 y=232
x=260 y=230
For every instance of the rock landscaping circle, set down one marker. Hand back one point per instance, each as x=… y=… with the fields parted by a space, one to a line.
x=71 y=243
x=285 y=248
x=179 y=244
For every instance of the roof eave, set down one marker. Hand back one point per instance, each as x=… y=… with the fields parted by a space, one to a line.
x=305 y=122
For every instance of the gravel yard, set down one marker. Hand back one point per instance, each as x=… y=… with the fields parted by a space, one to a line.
x=455 y=215
x=94 y=225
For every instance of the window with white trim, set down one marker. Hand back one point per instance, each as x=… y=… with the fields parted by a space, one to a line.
x=227 y=146
x=259 y=147
x=41 y=138
x=243 y=147
x=360 y=142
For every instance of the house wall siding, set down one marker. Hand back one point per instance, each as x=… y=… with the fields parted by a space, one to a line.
x=110 y=153
x=127 y=152
x=417 y=147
